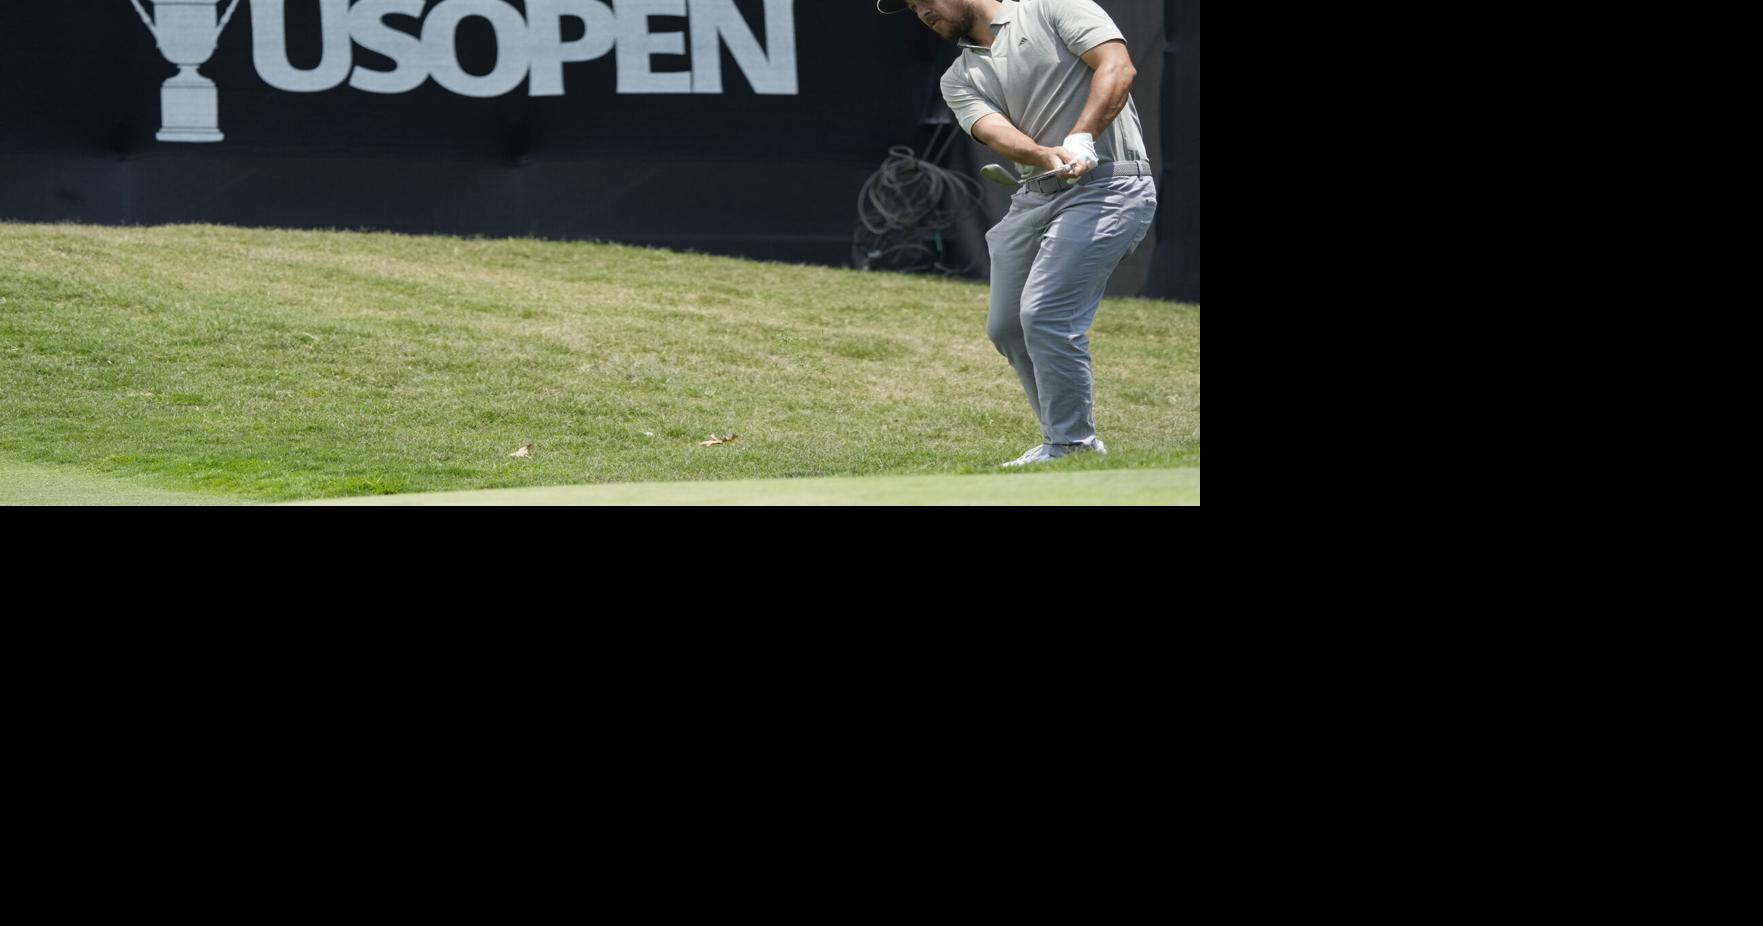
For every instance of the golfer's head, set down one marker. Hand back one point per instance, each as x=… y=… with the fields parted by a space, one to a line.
x=950 y=19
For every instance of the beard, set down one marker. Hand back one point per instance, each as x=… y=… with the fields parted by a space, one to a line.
x=962 y=23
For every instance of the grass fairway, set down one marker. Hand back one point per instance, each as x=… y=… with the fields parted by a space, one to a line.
x=1113 y=487
x=270 y=365
x=24 y=484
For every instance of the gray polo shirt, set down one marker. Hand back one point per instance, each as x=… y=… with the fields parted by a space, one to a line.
x=1035 y=76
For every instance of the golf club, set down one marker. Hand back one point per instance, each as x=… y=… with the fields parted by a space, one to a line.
x=998 y=174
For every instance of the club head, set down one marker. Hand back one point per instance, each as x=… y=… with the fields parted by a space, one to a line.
x=997 y=174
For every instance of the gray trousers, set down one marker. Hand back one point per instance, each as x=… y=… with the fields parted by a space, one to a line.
x=1052 y=255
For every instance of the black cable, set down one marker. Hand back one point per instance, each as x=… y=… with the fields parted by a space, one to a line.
x=906 y=202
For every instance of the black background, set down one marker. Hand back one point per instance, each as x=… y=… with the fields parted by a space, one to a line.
x=770 y=177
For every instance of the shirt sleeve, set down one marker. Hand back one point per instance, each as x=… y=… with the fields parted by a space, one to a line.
x=1082 y=25
x=968 y=104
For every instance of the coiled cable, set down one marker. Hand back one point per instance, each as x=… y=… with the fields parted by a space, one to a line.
x=903 y=210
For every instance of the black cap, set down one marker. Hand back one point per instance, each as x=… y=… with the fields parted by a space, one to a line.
x=891 y=6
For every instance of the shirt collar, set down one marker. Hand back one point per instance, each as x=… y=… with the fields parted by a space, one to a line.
x=1003 y=18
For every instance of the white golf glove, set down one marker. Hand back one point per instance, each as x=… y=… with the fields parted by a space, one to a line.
x=1083 y=147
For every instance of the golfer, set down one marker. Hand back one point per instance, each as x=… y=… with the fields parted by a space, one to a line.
x=1047 y=84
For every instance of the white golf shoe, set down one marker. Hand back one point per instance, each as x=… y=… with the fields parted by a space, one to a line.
x=1041 y=453
x=1036 y=454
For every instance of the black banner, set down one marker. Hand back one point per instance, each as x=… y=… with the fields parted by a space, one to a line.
x=740 y=127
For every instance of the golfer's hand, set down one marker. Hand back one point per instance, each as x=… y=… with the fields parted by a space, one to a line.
x=1078 y=165
x=1080 y=149
x=1055 y=158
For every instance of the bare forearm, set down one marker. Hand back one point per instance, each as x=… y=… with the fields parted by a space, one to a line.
x=1110 y=87
x=999 y=134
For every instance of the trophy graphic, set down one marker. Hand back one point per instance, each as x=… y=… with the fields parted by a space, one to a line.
x=187 y=34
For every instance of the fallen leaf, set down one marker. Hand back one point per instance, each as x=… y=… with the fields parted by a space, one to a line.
x=524 y=452
x=714 y=440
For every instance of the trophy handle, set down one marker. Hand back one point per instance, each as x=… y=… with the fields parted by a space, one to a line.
x=224 y=20
x=217 y=29
x=148 y=22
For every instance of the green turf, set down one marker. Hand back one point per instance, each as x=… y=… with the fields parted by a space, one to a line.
x=282 y=365
x=1111 y=487
x=25 y=484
